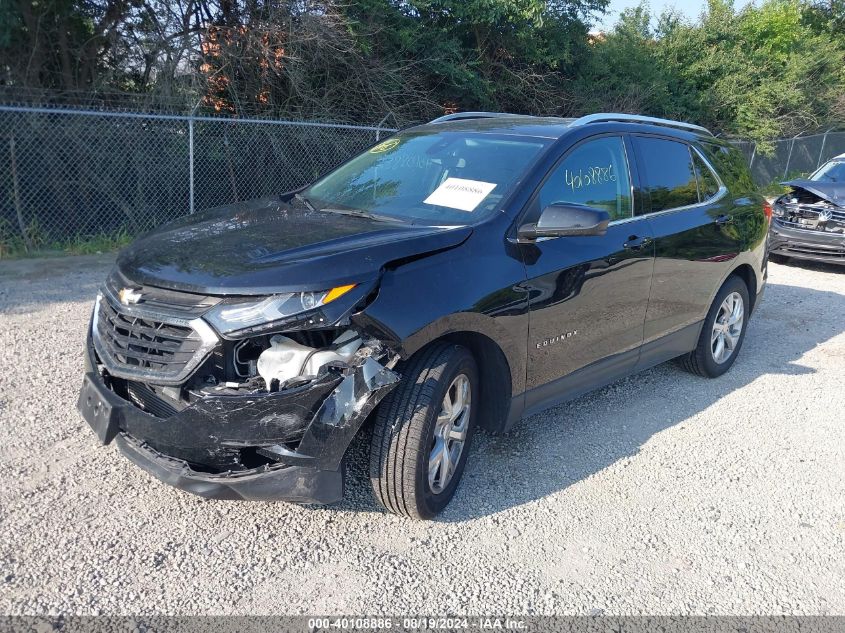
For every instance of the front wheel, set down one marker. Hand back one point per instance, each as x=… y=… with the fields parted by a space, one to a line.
x=722 y=333
x=423 y=430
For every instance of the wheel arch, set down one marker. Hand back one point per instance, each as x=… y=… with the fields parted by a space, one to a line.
x=494 y=374
x=746 y=273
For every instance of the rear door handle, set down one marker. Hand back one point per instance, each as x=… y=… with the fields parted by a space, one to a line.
x=635 y=243
x=724 y=219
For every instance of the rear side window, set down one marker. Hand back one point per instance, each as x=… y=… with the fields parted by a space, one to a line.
x=595 y=174
x=731 y=166
x=669 y=173
x=708 y=185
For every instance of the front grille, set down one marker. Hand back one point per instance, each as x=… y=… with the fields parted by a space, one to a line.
x=138 y=343
x=179 y=304
x=145 y=343
x=148 y=400
x=806 y=217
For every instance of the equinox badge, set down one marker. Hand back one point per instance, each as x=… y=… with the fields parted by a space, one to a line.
x=556 y=339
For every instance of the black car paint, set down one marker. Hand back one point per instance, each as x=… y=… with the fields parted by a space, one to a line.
x=273 y=247
x=551 y=318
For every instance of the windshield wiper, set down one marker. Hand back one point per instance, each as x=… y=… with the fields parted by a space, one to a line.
x=304 y=201
x=357 y=213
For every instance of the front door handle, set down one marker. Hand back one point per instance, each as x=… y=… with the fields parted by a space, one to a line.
x=724 y=219
x=636 y=243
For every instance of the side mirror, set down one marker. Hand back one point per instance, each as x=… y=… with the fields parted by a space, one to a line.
x=559 y=220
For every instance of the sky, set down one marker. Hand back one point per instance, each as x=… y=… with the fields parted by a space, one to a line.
x=689 y=8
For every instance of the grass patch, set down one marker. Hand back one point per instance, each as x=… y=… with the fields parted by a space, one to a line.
x=12 y=247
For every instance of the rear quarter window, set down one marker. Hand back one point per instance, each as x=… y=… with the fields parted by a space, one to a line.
x=731 y=166
x=708 y=186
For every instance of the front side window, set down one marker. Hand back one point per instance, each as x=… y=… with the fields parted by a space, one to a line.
x=429 y=176
x=594 y=174
x=669 y=173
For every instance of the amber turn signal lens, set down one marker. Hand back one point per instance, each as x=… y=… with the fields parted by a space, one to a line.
x=334 y=293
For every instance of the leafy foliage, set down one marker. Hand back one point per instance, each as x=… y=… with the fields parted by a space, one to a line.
x=760 y=72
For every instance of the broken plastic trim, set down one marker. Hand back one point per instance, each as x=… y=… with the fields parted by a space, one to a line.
x=339 y=417
x=322 y=416
x=811 y=208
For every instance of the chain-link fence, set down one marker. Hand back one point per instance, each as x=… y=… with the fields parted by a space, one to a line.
x=792 y=156
x=67 y=175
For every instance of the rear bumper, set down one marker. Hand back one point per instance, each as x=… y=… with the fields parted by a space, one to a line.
x=200 y=448
x=807 y=244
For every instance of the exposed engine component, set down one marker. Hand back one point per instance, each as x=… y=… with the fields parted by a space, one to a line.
x=286 y=359
x=803 y=209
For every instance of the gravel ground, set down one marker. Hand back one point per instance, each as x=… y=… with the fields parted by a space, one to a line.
x=661 y=494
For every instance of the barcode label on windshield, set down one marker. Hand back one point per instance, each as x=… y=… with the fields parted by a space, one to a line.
x=458 y=193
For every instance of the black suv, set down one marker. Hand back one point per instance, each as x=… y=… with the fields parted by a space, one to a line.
x=467 y=272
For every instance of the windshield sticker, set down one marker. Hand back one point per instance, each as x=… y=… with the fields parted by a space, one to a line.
x=385 y=146
x=457 y=193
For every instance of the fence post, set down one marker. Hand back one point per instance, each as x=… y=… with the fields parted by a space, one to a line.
x=789 y=156
x=380 y=123
x=753 y=154
x=821 y=151
x=191 y=160
x=16 y=190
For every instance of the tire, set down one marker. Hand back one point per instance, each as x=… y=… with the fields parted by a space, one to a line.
x=703 y=360
x=404 y=432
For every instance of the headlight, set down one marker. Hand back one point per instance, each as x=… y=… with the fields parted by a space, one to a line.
x=232 y=317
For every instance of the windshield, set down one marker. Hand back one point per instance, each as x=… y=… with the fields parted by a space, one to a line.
x=428 y=177
x=834 y=171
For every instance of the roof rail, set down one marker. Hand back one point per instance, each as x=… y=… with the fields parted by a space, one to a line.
x=460 y=116
x=603 y=117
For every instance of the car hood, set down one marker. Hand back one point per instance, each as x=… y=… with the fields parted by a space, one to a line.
x=267 y=246
x=831 y=191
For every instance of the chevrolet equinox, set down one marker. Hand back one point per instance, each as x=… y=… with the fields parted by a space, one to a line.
x=464 y=273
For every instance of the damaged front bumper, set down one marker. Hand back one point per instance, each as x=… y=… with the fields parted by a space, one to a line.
x=809 y=244
x=297 y=436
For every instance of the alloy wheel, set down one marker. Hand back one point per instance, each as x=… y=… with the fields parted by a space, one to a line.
x=450 y=433
x=727 y=327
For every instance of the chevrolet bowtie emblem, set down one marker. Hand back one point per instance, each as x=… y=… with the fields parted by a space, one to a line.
x=129 y=296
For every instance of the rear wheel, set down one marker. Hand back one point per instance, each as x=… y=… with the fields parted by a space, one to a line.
x=423 y=430
x=722 y=333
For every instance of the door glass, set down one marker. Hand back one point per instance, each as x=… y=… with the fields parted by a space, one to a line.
x=594 y=174
x=707 y=184
x=670 y=175
x=731 y=166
